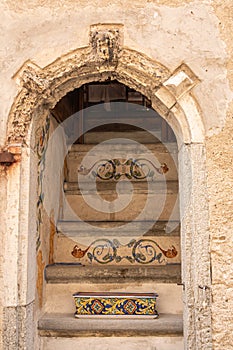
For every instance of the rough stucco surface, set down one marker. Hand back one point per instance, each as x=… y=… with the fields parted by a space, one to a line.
x=196 y=32
x=188 y=32
x=220 y=187
x=2 y=231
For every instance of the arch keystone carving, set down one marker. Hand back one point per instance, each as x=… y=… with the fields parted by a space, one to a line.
x=106 y=40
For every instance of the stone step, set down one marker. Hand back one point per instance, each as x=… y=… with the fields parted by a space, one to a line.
x=59 y=296
x=103 y=249
x=158 y=228
x=114 y=238
x=112 y=343
x=65 y=325
x=152 y=155
x=108 y=187
x=130 y=114
x=77 y=273
x=113 y=206
x=139 y=136
x=125 y=118
x=158 y=148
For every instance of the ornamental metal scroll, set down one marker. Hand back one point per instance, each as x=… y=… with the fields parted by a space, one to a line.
x=115 y=169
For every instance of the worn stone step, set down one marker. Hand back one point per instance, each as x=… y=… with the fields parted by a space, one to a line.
x=112 y=343
x=158 y=228
x=114 y=238
x=118 y=250
x=113 y=206
x=87 y=156
x=138 y=136
x=65 y=325
x=158 y=148
x=127 y=119
x=124 y=114
x=58 y=297
x=77 y=273
x=111 y=186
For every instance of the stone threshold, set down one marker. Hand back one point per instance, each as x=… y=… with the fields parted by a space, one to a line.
x=77 y=273
x=66 y=325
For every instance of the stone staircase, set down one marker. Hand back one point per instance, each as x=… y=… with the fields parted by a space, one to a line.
x=103 y=248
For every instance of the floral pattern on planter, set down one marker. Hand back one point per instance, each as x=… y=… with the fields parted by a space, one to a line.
x=118 y=304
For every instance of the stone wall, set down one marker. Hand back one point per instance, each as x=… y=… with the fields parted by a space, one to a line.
x=220 y=180
x=198 y=33
x=220 y=187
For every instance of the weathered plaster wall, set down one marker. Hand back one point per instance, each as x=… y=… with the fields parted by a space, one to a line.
x=196 y=32
x=3 y=183
x=220 y=188
x=185 y=31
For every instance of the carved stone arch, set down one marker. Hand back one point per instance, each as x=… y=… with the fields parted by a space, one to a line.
x=170 y=93
x=42 y=88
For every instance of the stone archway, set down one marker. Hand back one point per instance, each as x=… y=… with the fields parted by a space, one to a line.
x=170 y=93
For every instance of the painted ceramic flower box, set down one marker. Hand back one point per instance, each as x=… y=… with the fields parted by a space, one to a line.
x=115 y=305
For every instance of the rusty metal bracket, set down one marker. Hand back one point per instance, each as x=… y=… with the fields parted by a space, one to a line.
x=6 y=158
